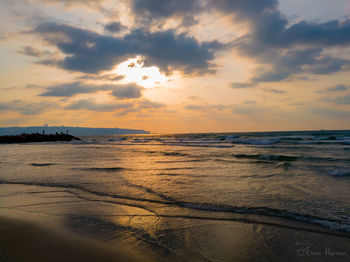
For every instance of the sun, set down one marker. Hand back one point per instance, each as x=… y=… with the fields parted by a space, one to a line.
x=134 y=71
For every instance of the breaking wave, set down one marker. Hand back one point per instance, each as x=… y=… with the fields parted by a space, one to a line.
x=42 y=164
x=267 y=157
x=102 y=169
x=338 y=172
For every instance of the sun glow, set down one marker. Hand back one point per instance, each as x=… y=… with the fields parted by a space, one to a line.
x=134 y=71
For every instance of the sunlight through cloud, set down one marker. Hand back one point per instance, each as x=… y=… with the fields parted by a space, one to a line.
x=134 y=71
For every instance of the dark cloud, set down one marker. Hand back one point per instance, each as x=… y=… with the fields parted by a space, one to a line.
x=140 y=107
x=92 y=3
x=8 y=88
x=338 y=88
x=32 y=51
x=340 y=100
x=188 y=21
x=330 y=112
x=249 y=102
x=127 y=111
x=147 y=104
x=186 y=9
x=243 y=9
x=85 y=50
x=27 y=108
x=127 y=91
x=251 y=110
x=49 y=62
x=114 y=27
x=71 y=89
x=157 y=9
x=273 y=75
x=32 y=86
x=287 y=49
x=90 y=105
x=294 y=61
x=298 y=104
x=305 y=78
x=89 y=52
x=109 y=77
x=196 y=107
x=120 y=108
x=171 y=51
x=242 y=85
x=116 y=77
x=206 y=108
x=270 y=28
x=330 y=33
x=275 y=91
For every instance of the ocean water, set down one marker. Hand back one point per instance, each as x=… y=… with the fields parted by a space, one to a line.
x=150 y=189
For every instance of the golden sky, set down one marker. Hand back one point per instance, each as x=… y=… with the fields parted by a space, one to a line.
x=176 y=65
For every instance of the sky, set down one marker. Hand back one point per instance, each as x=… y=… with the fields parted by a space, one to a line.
x=176 y=66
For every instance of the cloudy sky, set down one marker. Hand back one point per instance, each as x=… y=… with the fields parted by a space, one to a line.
x=176 y=65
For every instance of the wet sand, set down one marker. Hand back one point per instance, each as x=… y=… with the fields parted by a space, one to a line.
x=25 y=241
x=39 y=223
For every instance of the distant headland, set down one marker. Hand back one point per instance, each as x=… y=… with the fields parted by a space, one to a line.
x=75 y=131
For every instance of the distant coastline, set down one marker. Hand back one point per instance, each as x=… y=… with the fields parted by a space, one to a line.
x=75 y=131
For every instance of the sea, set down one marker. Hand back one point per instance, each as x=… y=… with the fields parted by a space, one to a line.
x=187 y=196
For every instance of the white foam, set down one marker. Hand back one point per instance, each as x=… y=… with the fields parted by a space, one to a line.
x=261 y=141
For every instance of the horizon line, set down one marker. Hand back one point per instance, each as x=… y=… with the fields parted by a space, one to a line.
x=212 y=132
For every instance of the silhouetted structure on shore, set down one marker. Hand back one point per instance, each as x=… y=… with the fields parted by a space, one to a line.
x=75 y=131
x=36 y=137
